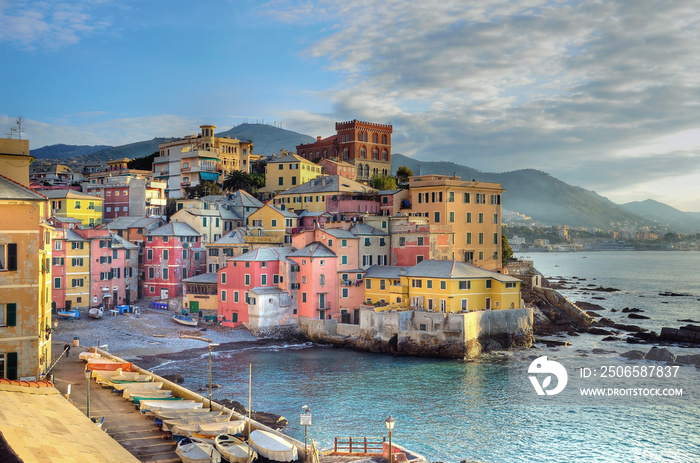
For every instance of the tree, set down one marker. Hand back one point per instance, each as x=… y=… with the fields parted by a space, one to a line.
x=506 y=251
x=170 y=207
x=204 y=188
x=145 y=163
x=258 y=167
x=258 y=180
x=238 y=180
x=402 y=174
x=382 y=182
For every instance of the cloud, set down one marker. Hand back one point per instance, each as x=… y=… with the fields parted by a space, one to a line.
x=39 y=24
x=572 y=88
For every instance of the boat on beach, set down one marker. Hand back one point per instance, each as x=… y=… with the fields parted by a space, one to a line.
x=96 y=312
x=197 y=452
x=234 y=449
x=69 y=314
x=272 y=446
x=106 y=364
x=185 y=320
x=88 y=355
x=208 y=430
x=149 y=407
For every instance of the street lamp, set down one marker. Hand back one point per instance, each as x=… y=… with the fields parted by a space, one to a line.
x=88 y=373
x=390 y=426
x=210 y=385
x=306 y=422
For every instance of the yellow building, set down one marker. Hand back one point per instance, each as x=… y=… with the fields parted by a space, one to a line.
x=77 y=205
x=323 y=194
x=472 y=209
x=274 y=222
x=200 y=294
x=287 y=172
x=441 y=286
x=25 y=268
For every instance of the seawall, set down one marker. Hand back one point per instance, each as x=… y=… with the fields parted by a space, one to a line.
x=427 y=334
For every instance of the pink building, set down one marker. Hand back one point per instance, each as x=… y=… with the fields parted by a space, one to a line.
x=316 y=272
x=335 y=167
x=172 y=253
x=393 y=201
x=246 y=277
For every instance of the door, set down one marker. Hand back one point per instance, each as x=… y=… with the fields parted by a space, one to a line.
x=127 y=297
x=488 y=303
x=163 y=293
x=322 y=301
x=356 y=316
x=430 y=305
x=443 y=305
x=68 y=304
x=194 y=306
x=115 y=298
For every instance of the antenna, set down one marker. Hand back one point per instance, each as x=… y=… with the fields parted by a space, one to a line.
x=19 y=126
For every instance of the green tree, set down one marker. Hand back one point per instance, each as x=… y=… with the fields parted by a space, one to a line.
x=258 y=180
x=204 y=188
x=383 y=182
x=402 y=174
x=145 y=163
x=238 y=180
x=170 y=207
x=506 y=251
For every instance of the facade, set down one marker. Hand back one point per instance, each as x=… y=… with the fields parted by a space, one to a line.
x=392 y=202
x=125 y=195
x=414 y=239
x=472 y=209
x=203 y=157
x=25 y=262
x=70 y=270
x=70 y=203
x=334 y=194
x=365 y=145
x=133 y=229
x=273 y=222
x=315 y=267
x=200 y=294
x=287 y=172
x=336 y=167
x=235 y=243
x=54 y=174
x=207 y=222
x=172 y=253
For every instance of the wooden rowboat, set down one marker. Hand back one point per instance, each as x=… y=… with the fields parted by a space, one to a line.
x=185 y=320
x=197 y=452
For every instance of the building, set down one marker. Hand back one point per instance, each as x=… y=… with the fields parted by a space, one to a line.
x=235 y=243
x=74 y=204
x=414 y=239
x=204 y=157
x=341 y=197
x=316 y=272
x=200 y=294
x=442 y=286
x=365 y=145
x=393 y=202
x=336 y=167
x=25 y=268
x=53 y=174
x=274 y=222
x=472 y=209
x=126 y=195
x=287 y=172
x=133 y=229
x=70 y=270
x=172 y=253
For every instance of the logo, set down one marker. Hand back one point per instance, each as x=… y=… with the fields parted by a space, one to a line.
x=549 y=367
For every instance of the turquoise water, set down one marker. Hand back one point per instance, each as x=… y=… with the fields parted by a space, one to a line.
x=484 y=410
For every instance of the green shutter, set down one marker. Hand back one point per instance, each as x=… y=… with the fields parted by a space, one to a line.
x=11 y=314
x=12 y=365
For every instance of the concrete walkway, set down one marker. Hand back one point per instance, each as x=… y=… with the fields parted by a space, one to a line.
x=135 y=432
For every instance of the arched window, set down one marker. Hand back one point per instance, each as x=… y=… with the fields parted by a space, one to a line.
x=384 y=139
x=375 y=138
x=385 y=155
x=363 y=153
x=359 y=170
x=375 y=171
x=385 y=172
x=346 y=153
x=375 y=154
x=366 y=175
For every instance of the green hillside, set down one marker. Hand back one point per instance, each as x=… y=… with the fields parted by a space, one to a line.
x=267 y=139
x=62 y=151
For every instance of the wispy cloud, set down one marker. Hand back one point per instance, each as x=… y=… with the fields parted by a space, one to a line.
x=48 y=24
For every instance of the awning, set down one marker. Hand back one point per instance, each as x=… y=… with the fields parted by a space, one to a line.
x=106 y=294
x=213 y=176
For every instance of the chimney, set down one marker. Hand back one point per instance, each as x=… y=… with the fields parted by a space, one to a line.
x=318 y=138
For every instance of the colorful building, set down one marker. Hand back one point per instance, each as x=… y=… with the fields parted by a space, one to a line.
x=25 y=268
x=336 y=167
x=71 y=203
x=414 y=239
x=200 y=295
x=341 y=197
x=125 y=195
x=315 y=276
x=365 y=145
x=273 y=222
x=172 y=253
x=235 y=243
x=71 y=270
x=287 y=172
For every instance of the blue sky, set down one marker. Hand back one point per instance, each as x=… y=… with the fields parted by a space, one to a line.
x=601 y=94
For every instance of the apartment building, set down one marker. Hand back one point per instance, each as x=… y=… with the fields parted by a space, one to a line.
x=287 y=172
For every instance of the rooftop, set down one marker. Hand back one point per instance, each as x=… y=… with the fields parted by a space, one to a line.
x=452 y=269
x=9 y=189
x=174 y=229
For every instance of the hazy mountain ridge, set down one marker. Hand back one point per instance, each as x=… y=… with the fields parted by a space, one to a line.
x=62 y=151
x=543 y=197
x=267 y=139
x=666 y=215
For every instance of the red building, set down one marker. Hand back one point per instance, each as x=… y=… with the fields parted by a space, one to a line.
x=172 y=253
x=365 y=145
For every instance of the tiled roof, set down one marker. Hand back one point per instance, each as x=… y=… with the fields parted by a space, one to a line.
x=385 y=271
x=314 y=249
x=73 y=236
x=290 y=158
x=72 y=194
x=174 y=229
x=242 y=198
x=9 y=189
x=237 y=236
x=265 y=254
x=452 y=269
x=260 y=290
x=329 y=184
x=211 y=277
x=121 y=242
x=365 y=230
x=340 y=233
x=306 y=213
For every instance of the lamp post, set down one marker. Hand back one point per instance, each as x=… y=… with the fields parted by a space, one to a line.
x=87 y=378
x=210 y=385
x=306 y=422
x=390 y=426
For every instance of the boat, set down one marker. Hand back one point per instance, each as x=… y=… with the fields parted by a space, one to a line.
x=70 y=314
x=197 y=452
x=149 y=407
x=110 y=366
x=96 y=312
x=272 y=446
x=208 y=429
x=185 y=320
x=182 y=414
x=182 y=426
x=234 y=449
x=88 y=355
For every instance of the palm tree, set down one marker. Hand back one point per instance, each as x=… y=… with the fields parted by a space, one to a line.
x=238 y=180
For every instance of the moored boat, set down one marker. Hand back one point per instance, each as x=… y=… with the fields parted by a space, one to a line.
x=69 y=314
x=149 y=407
x=234 y=449
x=197 y=452
x=272 y=446
x=88 y=355
x=185 y=320
x=96 y=312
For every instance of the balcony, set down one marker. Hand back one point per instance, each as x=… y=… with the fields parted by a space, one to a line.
x=156 y=201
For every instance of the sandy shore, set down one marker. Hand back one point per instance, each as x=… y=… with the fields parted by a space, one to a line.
x=152 y=333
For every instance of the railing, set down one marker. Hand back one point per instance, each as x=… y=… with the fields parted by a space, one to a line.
x=359 y=445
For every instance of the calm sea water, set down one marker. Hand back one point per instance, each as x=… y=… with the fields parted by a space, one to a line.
x=487 y=410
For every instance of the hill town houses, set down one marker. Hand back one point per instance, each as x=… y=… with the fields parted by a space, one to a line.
x=316 y=246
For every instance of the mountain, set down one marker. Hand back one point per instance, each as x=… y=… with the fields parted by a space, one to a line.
x=666 y=216
x=267 y=139
x=537 y=194
x=132 y=150
x=62 y=151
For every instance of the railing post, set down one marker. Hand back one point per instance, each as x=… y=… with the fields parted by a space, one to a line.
x=350 y=444
x=365 y=444
x=336 y=445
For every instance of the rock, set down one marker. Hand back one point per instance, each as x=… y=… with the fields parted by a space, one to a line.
x=599 y=331
x=599 y=298
x=630 y=328
x=175 y=378
x=605 y=322
x=633 y=355
x=660 y=354
x=589 y=306
x=670 y=294
x=592 y=314
x=610 y=338
x=688 y=320
x=688 y=333
x=613 y=310
x=636 y=316
x=628 y=310
x=689 y=359
x=553 y=342
x=605 y=290
x=598 y=351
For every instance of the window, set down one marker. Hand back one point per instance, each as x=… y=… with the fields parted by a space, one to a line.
x=57 y=283
x=235 y=296
x=116 y=209
x=469 y=217
x=481 y=256
x=223 y=278
x=213 y=252
x=437 y=217
x=223 y=295
x=443 y=285
x=481 y=238
x=480 y=198
x=367 y=261
x=204 y=221
x=495 y=238
x=165 y=254
x=465 y=285
x=495 y=255
x=346 y=293
x=8 y=257
x=263 y=264
x=149 y=254
x=495 y=199
x=488 y=284
x=344 y=260
x=77 y=205
x=184 y=254
x=274 y=223
x=322 y=279
x=417 y=283
x=452 y=197
x=419 y=259
x=165 y=273
x=402 y=241
x=280 y=180
x=263 y=280
x=510 y=285
x=303 y=297
x=452 y=217
x=150 y=273
x=247 y=279
x=109 y=209
x=368 y=284
x=382 y=285
x=495 y=218
x=429 y=284
x=469 y=238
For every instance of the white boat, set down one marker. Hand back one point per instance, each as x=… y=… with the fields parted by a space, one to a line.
x=88 y=355
x=185 y=320
x=208 y=430
x=234 y=449
x=272 y=446
x=150 y=407
x=197 y=452
x=96 y=312
x=191 y=423
x=146 y=394
x=182 y=414
x=137 y=385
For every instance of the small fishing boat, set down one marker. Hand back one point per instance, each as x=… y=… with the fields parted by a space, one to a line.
x=208 y=430
x=272 y=446
x=185 y=425
x=88 y=355
x=96 y=312
x=111 y=365
x=234 y=449
x=182 y=414
x=185 y=320
x=69 y=314
x=197 y=452
x=149 y=407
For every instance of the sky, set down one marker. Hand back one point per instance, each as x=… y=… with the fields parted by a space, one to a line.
x=601 y=94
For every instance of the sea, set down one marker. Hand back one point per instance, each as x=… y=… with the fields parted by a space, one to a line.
x=488 y=409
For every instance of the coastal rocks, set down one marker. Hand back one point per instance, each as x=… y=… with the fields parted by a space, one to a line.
x=636 y=316
x=174 y=378
x=589 y=306
x=633 y=355
x=633 y=310
x=670 y=294
x=599 y=331
x=604 y=290
x=688 y=334
x=688 y=359
x=660 y=354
